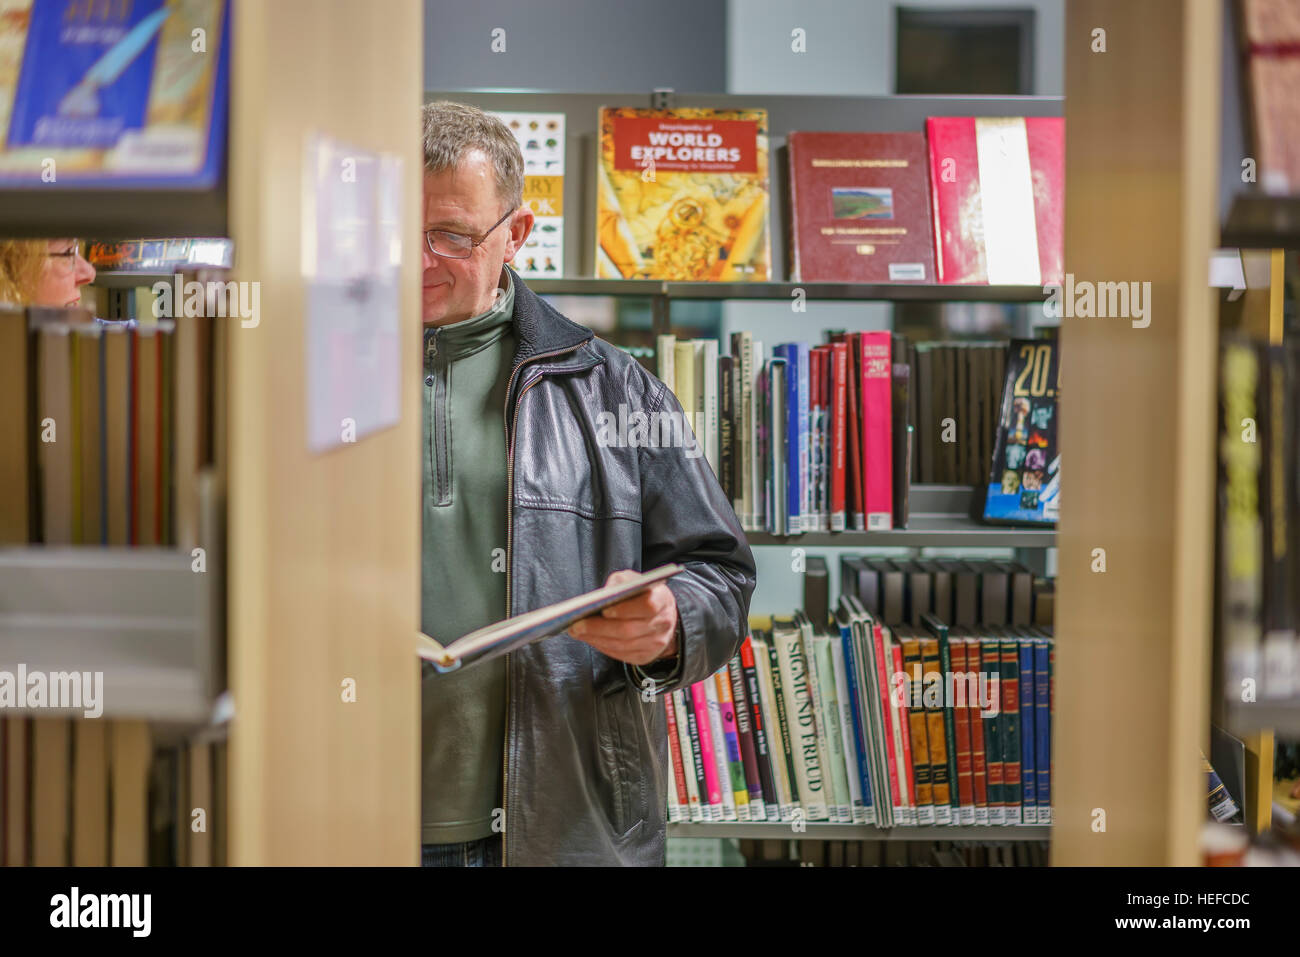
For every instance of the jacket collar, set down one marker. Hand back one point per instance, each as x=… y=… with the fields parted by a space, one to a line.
x=539 y=328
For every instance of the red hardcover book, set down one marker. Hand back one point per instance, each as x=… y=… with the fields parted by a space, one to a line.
x=675 y=754
x=998 y=196
x=859 y=208
x=856 y=520
x=816 y=429
x=882 y=668
x=875 y=371
x=979 y=764
x=904 y=725
x=961 y=718
x=839 y=433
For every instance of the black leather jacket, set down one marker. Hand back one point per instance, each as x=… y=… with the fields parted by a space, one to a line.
x=586 y=749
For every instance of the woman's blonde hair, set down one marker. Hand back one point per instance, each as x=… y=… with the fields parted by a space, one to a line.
x=21 y=263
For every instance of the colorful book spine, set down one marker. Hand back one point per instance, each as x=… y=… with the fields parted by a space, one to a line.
x=758 y=712
x=901 y=722
x=940 y=631
x=790 y=439
x=1042 y=732
x=754 y=423
x=976 y=709
x=678 y=801
x=962 y=692
x=735 y=766
x=853 y=777
x=808 y=520
x=991 y=661
x=876 y=372
x=916 y=725
x=1011 y=787
x=839 y=358
x=1028 y=737
x=856 y=704
x=722 y=767
x=704 y=735
x=745 y=732
x=882 y=682
x=941 y=782
x=787 y=749
x=691 y=763
x=808 y=771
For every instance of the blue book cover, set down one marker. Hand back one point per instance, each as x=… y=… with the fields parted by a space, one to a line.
x=91 y=77
x=1028 y=735
x=1043 y=731
x=793 y=423
x=859 y=739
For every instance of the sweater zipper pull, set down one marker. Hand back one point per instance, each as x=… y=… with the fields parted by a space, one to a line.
x=430 y=353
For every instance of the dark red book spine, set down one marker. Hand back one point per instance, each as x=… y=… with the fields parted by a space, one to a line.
x=961 y=717
x=839 y=433
x=675 y=755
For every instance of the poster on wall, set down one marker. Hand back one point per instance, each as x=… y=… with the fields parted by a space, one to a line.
x=113 y=94
x=541 y=140
x=351 y=267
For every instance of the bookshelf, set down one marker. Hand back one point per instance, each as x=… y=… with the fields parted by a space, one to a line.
x=820 y=831
x=822 y=291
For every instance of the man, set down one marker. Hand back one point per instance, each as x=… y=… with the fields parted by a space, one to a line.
x=556 y=753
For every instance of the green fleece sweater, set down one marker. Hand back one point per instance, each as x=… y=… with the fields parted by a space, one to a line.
x=466 y=370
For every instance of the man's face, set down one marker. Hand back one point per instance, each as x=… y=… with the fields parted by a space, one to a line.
x=464 y=200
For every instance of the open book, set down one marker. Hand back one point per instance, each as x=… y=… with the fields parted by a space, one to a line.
x=504 y=636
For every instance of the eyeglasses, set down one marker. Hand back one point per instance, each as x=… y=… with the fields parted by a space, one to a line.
x=67 y=260
x=456 y=246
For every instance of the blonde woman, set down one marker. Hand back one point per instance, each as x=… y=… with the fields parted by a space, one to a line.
x=43 y=272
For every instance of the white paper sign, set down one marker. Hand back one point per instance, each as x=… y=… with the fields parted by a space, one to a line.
x=352 y=254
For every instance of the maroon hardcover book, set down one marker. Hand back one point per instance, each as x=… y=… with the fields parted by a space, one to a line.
x=860 y=208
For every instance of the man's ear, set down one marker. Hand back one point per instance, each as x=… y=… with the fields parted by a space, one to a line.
x=521 y=225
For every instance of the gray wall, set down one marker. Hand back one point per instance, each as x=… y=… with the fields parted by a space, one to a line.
x=850 y=44
x=576 y=46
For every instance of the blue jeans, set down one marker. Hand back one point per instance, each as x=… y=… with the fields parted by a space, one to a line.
x=485 y=852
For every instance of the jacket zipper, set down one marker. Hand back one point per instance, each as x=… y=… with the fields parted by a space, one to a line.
x=438 y=378
x=510 y=424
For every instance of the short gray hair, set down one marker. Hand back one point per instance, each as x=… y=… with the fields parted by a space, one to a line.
x=453 y=129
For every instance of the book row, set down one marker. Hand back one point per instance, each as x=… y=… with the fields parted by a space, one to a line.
x=115 y=423
x=684 y=194
x=878 y=725
x=830 y=437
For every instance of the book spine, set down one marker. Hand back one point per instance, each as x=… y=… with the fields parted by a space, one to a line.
x=936 y=733
x=787 y=750
x=735 y=765
x=780 y=521
x=704 y=735
x=762 y=744
x=1042 y=733
x=839 y=434
x=717 y=735
x=961 y=721
x=881 y=666
x=916 y=726
x=1028 y=773
x=678 y=801
x=803 y=728
x=876 y=381
x=665 y=348
x=791 y=442
x=853 y=777
x=684 y=375
x=707 y=384
x=857 y=701
x=812 y=668
x=745 y=734
x=903 y=723
x=990 y=656
x=1011 y=794
x=1051 y=718
x=831 y=730
x=742 y=373
x=691 y=764
x=979 y=763
x=754 y=422
x=727 y=429
x=807 y=520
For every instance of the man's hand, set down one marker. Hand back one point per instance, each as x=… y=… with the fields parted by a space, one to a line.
x=638 y=630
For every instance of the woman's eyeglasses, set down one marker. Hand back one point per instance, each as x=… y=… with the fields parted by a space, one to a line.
x=67 y=260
